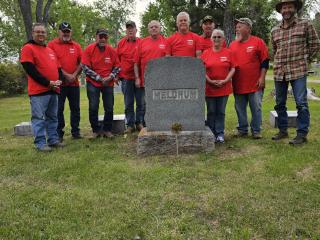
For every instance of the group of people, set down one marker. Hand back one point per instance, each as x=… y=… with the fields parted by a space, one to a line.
x=53 y=71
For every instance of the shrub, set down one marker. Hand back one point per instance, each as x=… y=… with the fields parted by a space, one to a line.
x=13 y=79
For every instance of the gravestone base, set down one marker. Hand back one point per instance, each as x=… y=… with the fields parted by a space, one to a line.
x=292 y=119
x=167 y=142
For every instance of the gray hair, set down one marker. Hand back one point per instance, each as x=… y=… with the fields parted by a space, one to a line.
x=183 y=14
x=154 y=21
x=37 y=25
x=218 y=31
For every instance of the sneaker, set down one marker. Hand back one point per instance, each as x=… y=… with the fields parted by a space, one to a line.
x=241 y=134
x=280 y=135
x=256 y=135
x=139 y=127
x=107 y=134
x=57 y=145
x=75 y=137
x=298 y=140
x=220 y=139
x=129 y=130
x=45 y=148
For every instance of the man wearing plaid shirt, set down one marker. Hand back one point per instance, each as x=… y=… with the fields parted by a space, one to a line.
x=294 y=42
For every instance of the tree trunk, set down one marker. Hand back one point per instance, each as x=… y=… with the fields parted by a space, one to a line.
x=46 y=12
x=25 y=8
x=39 y=7
x=228 y=23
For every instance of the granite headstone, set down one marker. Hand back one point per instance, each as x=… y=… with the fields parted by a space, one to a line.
x=175 y=93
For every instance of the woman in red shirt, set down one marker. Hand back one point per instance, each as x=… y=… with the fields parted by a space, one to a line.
x=220 y=68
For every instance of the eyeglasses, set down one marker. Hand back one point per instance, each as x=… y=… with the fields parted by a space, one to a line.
x=40 y=32
x=103 y=36
x=214 y=37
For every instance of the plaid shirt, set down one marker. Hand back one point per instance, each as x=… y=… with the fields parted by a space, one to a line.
x=293 y=49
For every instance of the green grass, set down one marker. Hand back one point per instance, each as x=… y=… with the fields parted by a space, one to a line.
x=246 y=189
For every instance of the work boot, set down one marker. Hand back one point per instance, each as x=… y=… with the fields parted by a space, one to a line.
x=298 y=140
x=280 y=135
x=139 y=127
x=240 y=134
x=107 y=134
x=256 y=135
x=57 y=145
x=129 y=130
x=95 y=135
x=45 y=149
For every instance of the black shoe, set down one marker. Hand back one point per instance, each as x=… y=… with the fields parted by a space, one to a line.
x=298 y=140
x=57 y=145
x=75 y=137
x=280 y=135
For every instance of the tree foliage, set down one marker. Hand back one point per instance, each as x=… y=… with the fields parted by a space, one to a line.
x=223 y=11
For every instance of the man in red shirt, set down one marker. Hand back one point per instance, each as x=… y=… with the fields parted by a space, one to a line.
x=251 y=54
x=101 y=66
x=207 y=24
x=43 y=70
x=126 y=50
x=183 y=42
x=69 y=54
x=151 y=47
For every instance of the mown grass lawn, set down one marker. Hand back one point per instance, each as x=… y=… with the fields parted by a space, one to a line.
x=246 y=189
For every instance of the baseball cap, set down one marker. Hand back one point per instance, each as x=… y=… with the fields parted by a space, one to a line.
x=101 y=31
x=206 y=19
x=246 y=21
x=65 y=26
x=130 y=23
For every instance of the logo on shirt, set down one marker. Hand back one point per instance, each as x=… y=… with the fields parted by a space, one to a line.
x=162 y=46
x=52 y=56
x=223 y=59
x=250 y=49
x=72 y=50
x=107 y=60
x=190 y=42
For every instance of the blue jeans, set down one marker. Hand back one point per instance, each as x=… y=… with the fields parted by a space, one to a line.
x=241 y=103
x=131 y=93
x=299 y=88
x=216 y=108
x=93 y=94
x=44 y=119
x=73 y=95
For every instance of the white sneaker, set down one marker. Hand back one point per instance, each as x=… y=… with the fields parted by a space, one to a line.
x=220 y=139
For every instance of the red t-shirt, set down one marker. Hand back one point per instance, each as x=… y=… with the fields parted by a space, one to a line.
x=206 y=43
x=45 y=62
x=125 y=51
x=147 y=50
x=101 y=62
x=183 y=44
x=249 y=55
x=69 y=56
x=218 y=65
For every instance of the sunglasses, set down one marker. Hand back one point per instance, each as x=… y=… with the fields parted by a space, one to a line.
x=66 y=31
x=218 y=37
x=102 y=36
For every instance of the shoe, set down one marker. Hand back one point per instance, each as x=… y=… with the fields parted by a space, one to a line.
x=220 y=139
x=107 y=134
x=45 y=148
x=139 y=127
x=57 y=145
x=280 y=135
x=241 y=134
x=95 y=135
x=75 y=137
x=129 y=130
x=298 y=140
x=256 y=135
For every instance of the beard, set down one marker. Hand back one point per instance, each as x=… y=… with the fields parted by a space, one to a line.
x=288 y=15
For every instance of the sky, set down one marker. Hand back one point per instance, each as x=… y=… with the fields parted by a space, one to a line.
x=141 y=6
